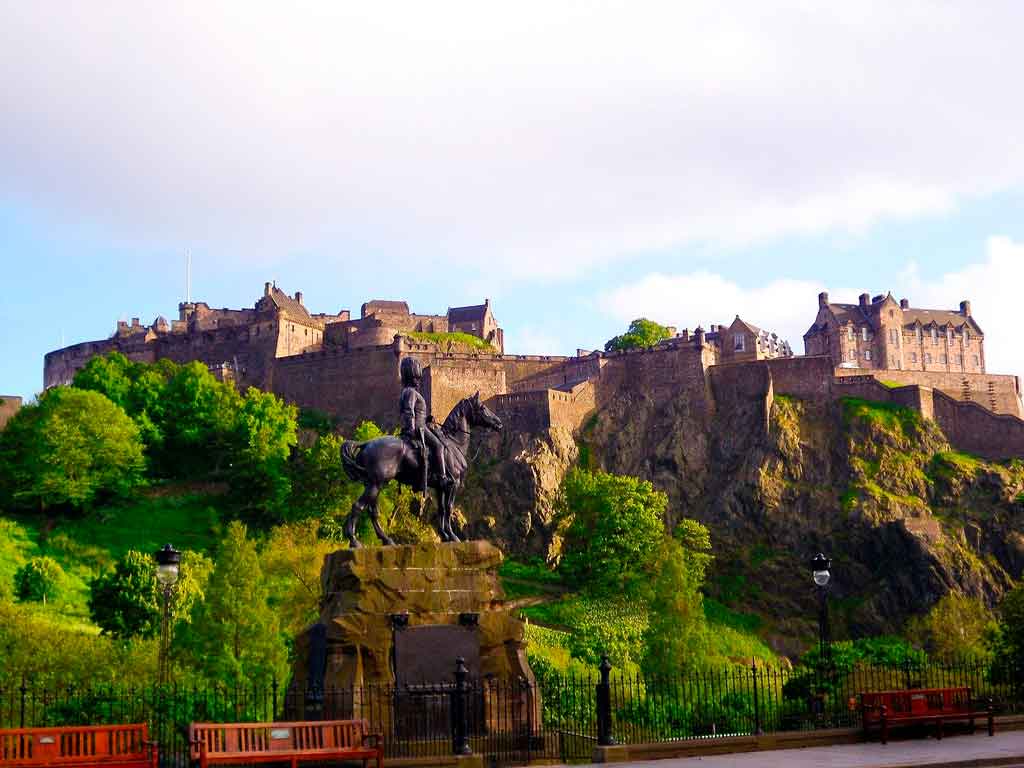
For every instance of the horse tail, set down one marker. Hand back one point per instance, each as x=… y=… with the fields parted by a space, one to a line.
x=351 y=453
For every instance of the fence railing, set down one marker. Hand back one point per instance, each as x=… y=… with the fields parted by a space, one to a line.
x=516 y=721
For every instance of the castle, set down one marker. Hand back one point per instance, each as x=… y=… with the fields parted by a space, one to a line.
x=931 y=360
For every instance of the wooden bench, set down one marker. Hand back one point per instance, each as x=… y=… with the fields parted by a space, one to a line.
x=110 y=746
x=883 y=709
x=227 y=743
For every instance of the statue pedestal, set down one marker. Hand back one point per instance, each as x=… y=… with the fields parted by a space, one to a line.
x=394 y=619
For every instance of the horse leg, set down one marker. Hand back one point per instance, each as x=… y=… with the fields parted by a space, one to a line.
x=350 y=524
x=369 y=499
x=449 y=508
x=440 y=515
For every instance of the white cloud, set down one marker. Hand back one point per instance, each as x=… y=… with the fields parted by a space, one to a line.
x=527 y=139
x=785 y=307
x=993 y=288
x=788 y=307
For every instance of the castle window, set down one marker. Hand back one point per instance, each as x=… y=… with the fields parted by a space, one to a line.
x=739 y=342
x=892 y=313
x=853 y=354
x=927 y=358
x=942 y=359
x=913 y=357
x=935 y=337
x=920 y=335
x=967 y=337
x=867 y=354
x=849 y=333
x=976 y=360
x=892 y=335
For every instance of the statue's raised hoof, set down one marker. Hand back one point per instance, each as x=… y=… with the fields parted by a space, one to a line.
x=453 y=538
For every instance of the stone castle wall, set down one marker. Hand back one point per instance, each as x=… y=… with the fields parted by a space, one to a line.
x=9 y=405
x=998 y=393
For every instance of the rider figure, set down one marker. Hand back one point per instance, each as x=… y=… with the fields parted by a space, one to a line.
x=413 y=410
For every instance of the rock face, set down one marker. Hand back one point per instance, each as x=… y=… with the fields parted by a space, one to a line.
x=450 y=586
x=905 y=519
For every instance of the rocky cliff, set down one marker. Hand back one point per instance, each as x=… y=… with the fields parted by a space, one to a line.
x=776 y=479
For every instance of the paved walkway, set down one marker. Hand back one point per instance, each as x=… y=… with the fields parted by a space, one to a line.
x=968 y=750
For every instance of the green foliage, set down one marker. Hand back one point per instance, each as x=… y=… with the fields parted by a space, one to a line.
x=642 y=333
x=1010 y=638
x=676 y=636
x=126 y=602
x=318 y=421
x=234 y=635
x=320 y=486
x=452 y=342
x=69 y=449
x=292 y=557
x=596 y=626
x=956 y=626
x=39 y=580
x=615 y=530
x=265 y=432
x=887 y=416
x=532 y=569
x=49 y=652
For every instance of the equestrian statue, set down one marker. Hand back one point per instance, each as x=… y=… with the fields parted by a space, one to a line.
x=425 y=455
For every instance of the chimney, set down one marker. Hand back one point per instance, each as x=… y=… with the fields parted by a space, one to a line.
x=487 y=302
x=823 y=298
x=266 y=289
x=298 y=296
x=685 y=335
x=904 y=304
x=865 y=299
x=135 y=322
x=698 y=336
x=965 y=308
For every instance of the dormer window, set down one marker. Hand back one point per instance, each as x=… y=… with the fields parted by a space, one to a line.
x=865 y=334
x=920 y=335
x=849 y=332
x=967 y=337
x=739 y=342
x=935 y=336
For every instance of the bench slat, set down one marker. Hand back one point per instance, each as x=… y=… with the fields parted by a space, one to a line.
x=110 y=745
x=224 y=743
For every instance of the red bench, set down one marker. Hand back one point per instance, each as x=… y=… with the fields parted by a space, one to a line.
x=883 y=709
x=109 y=746
x=228 y=743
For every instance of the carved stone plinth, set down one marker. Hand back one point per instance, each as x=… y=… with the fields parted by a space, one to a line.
x=444 y=600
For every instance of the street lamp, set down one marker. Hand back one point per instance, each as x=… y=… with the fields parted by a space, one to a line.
x=168 y=562
x=821 y=572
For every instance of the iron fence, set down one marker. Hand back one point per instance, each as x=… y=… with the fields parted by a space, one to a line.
x=515 y=722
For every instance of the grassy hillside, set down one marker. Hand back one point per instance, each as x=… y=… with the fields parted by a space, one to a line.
x=86 y=546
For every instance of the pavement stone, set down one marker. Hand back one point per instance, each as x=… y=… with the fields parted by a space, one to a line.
x=967 y=751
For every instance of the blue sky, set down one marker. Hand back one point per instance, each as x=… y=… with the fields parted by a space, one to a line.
x=580 y=164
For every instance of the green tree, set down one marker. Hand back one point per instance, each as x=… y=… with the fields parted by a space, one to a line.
x=676 y=634
x=614 y=533
x=641 y=333
x=68 y=449
x=200 y=420
x=957 y=625
x=1010 y=639
x=265 y=432
x=292 y=558
x=127 y=602
x=139 y=388
x=39 y=580
x=234 y=634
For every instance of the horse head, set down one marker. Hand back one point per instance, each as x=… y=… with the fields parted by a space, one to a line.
x=480 y=415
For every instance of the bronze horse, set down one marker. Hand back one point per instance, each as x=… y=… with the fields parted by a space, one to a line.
x=377 y=461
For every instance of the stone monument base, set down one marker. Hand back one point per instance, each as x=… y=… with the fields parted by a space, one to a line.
x=396 y=618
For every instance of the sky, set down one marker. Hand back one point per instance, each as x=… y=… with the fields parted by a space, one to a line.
x=581 y=164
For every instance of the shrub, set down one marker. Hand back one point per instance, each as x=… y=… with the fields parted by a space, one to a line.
x=39 y=580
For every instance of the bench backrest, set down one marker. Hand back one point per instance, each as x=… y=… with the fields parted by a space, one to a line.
x=920 y=701
x=247 y=738
x=74 y=745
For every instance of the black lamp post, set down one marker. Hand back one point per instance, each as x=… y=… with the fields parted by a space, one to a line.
x=168 y=561
x=821 y=571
